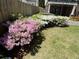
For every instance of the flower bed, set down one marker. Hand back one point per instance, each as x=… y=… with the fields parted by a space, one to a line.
x=20 y=32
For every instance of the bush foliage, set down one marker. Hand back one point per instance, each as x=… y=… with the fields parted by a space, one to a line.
x=60 y=22
x=20 y=33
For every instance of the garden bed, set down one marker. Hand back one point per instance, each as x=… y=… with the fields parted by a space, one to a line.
x=23 y=36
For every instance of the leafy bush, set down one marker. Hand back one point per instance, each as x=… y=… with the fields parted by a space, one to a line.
x=13 y=17
x=56 y=21
x=43 y=24
x=59 y=22
x=16 y=16
x=20 y=33
x=51 y=20
x=36 y=16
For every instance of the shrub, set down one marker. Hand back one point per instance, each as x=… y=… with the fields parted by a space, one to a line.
x=56 y=21
x=20 y=33
x=59 y=22
x=13 y=16
x=42 y=23
x=36 y=16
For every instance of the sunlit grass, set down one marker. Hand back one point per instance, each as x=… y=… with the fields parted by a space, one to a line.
x=60 y=43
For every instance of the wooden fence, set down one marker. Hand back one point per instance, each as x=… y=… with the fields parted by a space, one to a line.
x=8 y=7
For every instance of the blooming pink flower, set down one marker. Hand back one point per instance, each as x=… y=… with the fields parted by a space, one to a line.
x=20 y=33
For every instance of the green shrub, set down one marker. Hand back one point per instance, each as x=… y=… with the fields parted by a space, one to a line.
x=59 y=22
x=36 y=16
x=13 y=16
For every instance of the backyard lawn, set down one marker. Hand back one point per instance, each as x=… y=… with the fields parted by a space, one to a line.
x=59 y=43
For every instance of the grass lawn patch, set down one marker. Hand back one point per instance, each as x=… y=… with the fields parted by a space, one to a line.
x=60 y=43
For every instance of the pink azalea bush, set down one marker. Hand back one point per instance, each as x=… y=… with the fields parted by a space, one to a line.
x=20 y=33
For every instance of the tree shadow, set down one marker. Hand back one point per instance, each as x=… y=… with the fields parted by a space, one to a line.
x=19 y=51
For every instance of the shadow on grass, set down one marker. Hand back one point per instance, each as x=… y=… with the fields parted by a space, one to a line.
x=19 y=52
x=35 y=44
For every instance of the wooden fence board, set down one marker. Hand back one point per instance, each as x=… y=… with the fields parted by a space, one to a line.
x=7 y=7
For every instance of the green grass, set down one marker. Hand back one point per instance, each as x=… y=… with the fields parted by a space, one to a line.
x=60 y=43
